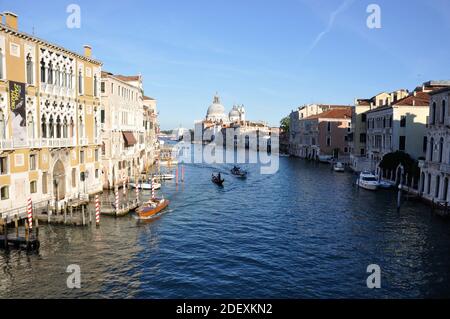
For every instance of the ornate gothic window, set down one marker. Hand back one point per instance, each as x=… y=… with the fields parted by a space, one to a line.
x=65 y=128
x=51 y=127
x=80 y=127
x=58 y=127
x=71 y=128
x=42 y=71
x=80 y=83
x=44 y=126
x=50 y=73
x=30 y=73
x=30 y=125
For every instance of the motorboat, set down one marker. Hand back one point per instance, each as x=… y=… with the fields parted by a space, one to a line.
x=216 y=179
x=164 y=177
x=237 y=171
x=368 y=181
x=152 y=208
x=325 y=158
x=339 y=167
x=386 y=184
x=146 y=185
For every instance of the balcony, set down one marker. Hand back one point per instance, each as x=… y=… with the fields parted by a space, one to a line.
x=84 y=141
x=38 y=143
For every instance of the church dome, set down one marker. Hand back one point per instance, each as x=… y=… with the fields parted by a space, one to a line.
x=234 y=113
x=216 y=111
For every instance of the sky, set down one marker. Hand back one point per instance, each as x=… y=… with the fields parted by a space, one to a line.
x=272 y=56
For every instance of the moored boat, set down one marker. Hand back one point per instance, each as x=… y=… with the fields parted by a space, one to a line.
x=339 y=167
x=145 y=185
x=164 y=177
x=368 y=181
x=152 y=208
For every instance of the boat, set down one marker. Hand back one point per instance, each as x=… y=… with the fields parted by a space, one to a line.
x=152 y=207
x=146 y=185
x=325 y=158
x=386 y=185
x=237 y=171
x=368 y=181
x=217 y=179
x=169 y=163
x=339 y=167
x=164 y=177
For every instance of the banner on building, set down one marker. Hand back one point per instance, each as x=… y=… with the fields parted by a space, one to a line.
x=18 y=111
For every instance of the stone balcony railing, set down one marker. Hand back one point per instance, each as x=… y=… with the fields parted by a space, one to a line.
x=38 y=143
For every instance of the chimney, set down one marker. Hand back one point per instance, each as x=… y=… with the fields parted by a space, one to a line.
x=87 y=51
x=11 y=20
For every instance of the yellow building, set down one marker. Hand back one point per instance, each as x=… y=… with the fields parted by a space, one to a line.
x=49 y=120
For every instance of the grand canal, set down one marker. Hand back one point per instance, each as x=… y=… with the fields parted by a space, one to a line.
x=305 y=232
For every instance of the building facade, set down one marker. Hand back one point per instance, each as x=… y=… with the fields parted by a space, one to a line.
x=303 y=139
x=123 y=128
x=151 y=128
x=435 y=170
x=49 y=120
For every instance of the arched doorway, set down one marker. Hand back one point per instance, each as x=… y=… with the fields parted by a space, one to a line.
x=59 y=181
x=445 y=190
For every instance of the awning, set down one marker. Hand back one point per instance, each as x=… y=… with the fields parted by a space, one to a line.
x=129 y=138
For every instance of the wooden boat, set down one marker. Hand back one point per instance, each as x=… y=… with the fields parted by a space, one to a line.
x=217 y=180
x=164 y=177
x=236 y=171
x=152 y=208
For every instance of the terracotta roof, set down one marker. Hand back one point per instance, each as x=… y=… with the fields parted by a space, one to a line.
x=339 y=113
x=147 y=98
x=364 y=101
x=128 y=78
x=419 y=99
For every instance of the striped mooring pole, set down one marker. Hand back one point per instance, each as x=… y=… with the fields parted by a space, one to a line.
x=137 y=192
x=117 y=200
x=124 y=186
x=30 y=213
x=97 y=210
x=153 y=189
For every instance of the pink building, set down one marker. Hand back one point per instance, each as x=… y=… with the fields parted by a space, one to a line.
x=327 y=133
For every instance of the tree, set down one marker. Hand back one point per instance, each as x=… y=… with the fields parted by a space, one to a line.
x=391 y=161
x=285 y=124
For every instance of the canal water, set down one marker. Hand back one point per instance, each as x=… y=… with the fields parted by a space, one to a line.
x=304 y=232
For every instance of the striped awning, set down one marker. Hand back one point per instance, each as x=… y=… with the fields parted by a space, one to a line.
x=129 y=138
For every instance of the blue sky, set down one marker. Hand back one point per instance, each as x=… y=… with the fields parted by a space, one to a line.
x=271 y=56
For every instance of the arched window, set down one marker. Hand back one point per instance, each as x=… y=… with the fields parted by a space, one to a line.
x=438 y=186
x=65 y=128
x=64 y=78
x=43 y=71
x=70 y=76
x=444 y=106
x=30 y=125
x=50 y=73
x=95 y=85
x=80 y=127
x=58 y=127
x=80 y=83
x=431 y=149
x=51 y=127
x=2 y=126
x=71 y=128
x=57 y=75
x=1 y=64
x=433 y=114
x=441 y=149
x=29 y=70
x=44 y=126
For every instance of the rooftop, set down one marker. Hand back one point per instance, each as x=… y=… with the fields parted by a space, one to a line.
x=339 y=113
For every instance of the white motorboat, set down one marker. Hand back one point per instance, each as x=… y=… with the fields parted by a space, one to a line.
x=146 y=185
x=386 y=185
x=339 y=167
x=325 y=158
x=368 y=181
x=164 y=177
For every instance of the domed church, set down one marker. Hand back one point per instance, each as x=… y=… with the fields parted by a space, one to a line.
x=216 y=113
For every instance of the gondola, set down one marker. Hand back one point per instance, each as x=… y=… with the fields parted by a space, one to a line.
x=217 y=180
x=236 y=171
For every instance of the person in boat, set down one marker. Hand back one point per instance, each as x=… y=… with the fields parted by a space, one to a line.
x=219 y=177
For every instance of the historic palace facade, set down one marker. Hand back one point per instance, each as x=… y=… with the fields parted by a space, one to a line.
x=49 y=120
